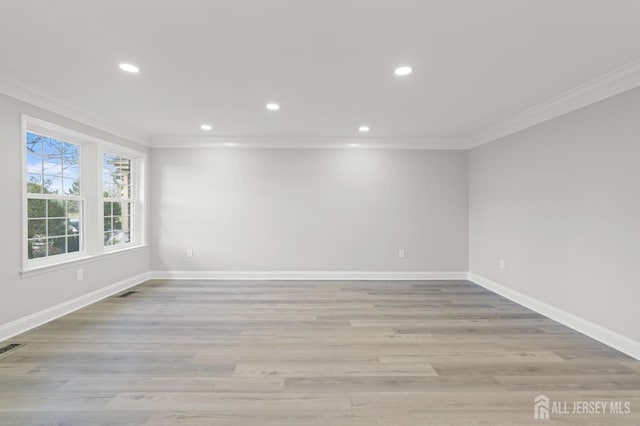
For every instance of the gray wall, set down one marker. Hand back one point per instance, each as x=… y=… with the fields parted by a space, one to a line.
x=20 y=296
x=560 y=203
x=309 y=210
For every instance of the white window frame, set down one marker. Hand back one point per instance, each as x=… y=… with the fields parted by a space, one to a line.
x=136 y=200
x=91 y=194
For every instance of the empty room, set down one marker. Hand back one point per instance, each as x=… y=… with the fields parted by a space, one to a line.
x=329 y=213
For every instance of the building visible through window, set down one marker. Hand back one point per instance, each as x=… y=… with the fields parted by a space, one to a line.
x=82 y=196
x=118 y=200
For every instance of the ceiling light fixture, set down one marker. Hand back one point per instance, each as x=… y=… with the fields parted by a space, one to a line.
x=230 y=144
x=403 y=70
x=273 y=107
x=129 y=68
x=363 y=129
x=354 y=145
x=206 y=127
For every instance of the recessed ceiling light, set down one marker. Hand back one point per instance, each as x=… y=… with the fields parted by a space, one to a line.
x=206 y=127
x=354 y=145
x=273 y=107
x=403 y=70
x=129 y=68
x=363 y=129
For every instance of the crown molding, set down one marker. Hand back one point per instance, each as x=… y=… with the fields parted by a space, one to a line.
x=602 y=87
x=290 y=142
x=24 y=93
x=621 y=79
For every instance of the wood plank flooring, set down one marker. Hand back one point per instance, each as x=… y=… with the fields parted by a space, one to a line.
x=309 y=353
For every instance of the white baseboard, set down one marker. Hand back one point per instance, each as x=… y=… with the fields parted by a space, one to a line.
x=308 y=275
x=24 y=324
x=609 y=337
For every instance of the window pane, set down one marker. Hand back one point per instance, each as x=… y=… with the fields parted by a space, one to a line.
x=49 y=163
x=116 y=176
x=56 y=246
x=107 y=171
x=118 y=237
x=117 y=223
x=117 y=209
x=34 y=183
x=74 y=219
x=121 y=188
x=34 y=152
x=73 y=243
x=56 y=208
x=52 y=150
x=37 y=248
x=57 y=227
x=34 y=163
x=53 y=184
x=106 y=184
x=71 y=161
x=73 y=227
x=71 y=186
x=107 y=162
x=117 y=184
x=36 y=228
x=73 y=208
x=121 y=209
x=36 y=208
x=54 y=226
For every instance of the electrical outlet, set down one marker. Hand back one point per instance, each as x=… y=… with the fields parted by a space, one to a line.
x=401 y=253
x=189 y=252
x=80 y=274
x=501 y=263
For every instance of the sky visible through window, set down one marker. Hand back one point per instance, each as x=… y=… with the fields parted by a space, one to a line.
x=52 y=166
x=56 y=177
x=54 y=213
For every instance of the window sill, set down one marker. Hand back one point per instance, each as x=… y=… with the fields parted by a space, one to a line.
x=38 y=270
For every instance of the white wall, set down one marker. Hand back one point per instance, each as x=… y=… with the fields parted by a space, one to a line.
x=20 y=296
x=560 y=203
x=308 y=210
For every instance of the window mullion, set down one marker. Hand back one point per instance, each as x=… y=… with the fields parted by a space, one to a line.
x=91 y=205
x=63 y=217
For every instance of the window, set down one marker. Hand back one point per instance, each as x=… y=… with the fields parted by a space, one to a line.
x=118 y=205
x=83 y=197
x=54 y=202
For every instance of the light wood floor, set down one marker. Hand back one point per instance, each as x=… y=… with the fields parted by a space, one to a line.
x=308 y=353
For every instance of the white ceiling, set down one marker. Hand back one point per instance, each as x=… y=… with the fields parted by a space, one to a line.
x=329 y=63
